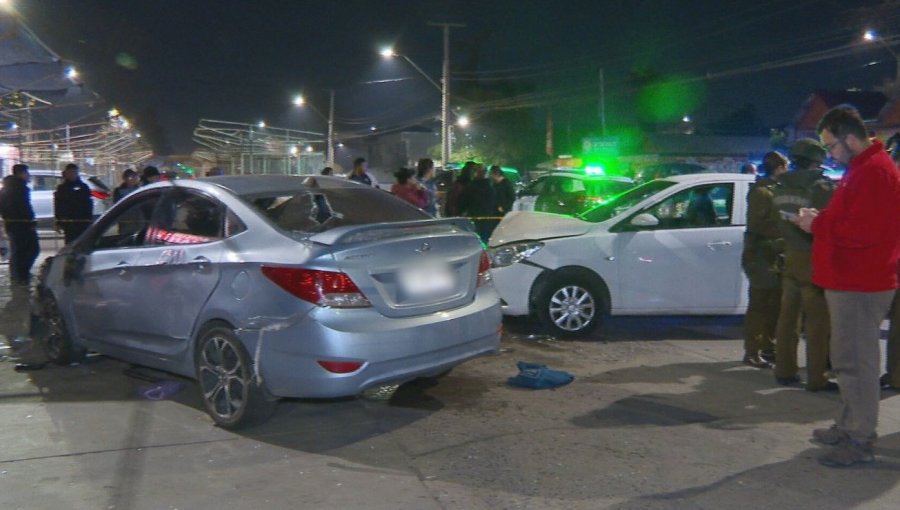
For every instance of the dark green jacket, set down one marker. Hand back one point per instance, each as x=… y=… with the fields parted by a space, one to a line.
x=762 y=240
x=797 y=189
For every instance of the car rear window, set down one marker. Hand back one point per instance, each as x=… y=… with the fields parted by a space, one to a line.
x=318 y=210
x=45 y=182
x=98 y=183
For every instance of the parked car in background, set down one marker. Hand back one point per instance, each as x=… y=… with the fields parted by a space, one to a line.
x=44 y=182
x=268 y=286
x=569 y=192
x=670 y=246
x=663 y=170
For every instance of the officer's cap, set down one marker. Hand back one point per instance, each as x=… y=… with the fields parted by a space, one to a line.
x=809 y=149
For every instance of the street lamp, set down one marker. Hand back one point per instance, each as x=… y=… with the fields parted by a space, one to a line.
x=444 y=87
x=299 y=101
x=445 y=100
x=871 y=35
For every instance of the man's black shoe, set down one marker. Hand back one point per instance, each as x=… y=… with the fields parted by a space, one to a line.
x=885 y=382
x=768 y=356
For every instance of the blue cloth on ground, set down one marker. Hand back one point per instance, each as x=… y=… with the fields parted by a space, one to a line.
x=539 y=377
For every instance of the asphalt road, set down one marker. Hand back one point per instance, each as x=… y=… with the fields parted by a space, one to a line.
x=661 y=415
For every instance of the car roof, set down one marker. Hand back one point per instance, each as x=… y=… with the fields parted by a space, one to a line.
x=709 y=176
x=597 y=177
x=264 y=183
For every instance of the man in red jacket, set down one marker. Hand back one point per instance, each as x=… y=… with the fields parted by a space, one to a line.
x=856 y=245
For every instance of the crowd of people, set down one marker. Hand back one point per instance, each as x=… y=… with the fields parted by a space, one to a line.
x=482 y=195
x=821 y=259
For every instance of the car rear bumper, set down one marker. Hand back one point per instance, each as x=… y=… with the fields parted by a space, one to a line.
x=392 y=350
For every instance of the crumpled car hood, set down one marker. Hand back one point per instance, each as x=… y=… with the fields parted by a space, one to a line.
x=528 y=225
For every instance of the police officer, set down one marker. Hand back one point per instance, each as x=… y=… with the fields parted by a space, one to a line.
x=72 y=204
x=760 y=261
x=891 y=377
x=805 y=187
x=21 y=229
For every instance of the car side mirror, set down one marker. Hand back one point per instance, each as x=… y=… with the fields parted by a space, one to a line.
x=644 y=220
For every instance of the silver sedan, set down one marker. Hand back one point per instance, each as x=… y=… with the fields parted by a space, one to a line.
x=272 y=286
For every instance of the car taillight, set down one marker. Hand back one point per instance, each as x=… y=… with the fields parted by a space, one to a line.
x=323 y=288
x=99 y=195
x=484 y=269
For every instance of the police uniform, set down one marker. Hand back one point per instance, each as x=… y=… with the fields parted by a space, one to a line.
x=760 y=260
x=802 y=188
x=891 y=376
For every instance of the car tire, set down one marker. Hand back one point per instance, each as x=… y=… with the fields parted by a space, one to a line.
x=57 y=343
x=570 y=305
x=230 y=392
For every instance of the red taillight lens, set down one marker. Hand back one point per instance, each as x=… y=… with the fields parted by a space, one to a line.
x=484 y=269
x=322 y=288
x=99 y=195
x=340 y=367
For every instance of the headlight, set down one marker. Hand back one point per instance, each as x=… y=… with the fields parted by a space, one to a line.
x=509 y=254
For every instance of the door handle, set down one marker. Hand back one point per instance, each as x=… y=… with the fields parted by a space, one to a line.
x=122 y=268
x=718 y=244
x=201 y=262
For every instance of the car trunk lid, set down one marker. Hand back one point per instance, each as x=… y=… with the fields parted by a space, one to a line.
x=410 y=268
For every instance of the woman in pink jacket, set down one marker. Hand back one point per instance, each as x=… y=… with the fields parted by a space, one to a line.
x=409 y=189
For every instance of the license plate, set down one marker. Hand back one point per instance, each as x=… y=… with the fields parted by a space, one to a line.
x=424 y=281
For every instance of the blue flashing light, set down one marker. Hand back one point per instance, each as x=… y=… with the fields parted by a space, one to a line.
x=594 y=170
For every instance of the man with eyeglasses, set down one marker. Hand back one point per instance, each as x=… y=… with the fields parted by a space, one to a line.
x=856 y=245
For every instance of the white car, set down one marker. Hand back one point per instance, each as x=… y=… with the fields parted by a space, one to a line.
x=669 y=247
x=44 y=182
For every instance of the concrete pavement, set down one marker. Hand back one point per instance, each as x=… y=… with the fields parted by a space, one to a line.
x=661 y=416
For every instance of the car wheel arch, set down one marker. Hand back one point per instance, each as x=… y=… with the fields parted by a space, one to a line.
x=548 y=276
x=256 y=404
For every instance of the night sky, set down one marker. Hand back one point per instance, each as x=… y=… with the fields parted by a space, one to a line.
x=167 y=63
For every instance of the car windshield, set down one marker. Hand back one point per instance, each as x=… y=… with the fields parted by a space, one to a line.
x=601 y=188
x=318 y=210
x=623 y=202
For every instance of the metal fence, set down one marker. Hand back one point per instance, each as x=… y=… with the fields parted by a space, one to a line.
x=102 y=148
x=240 y=149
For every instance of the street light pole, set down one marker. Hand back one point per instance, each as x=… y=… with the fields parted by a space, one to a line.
x=445 y=92
x=330 y=154
x=329 y=151
x=870 y=35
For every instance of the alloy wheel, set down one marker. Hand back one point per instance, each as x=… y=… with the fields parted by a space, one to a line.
x=224 y=379
x=572 y=308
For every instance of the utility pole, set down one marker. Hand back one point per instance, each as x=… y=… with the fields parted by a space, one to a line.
x=329 y=159
x=602 y=104
x=445 y=92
